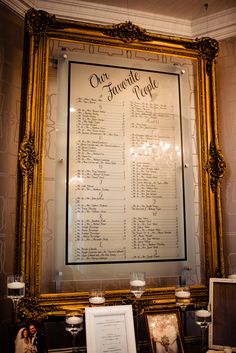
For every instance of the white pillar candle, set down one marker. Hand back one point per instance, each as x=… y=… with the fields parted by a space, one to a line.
x=97 y=300
x=74 y=320
x=137 y=283
x=16 y=285
x=182 y=294
x=203 y=313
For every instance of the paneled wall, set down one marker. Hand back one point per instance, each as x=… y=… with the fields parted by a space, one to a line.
x=11 y=52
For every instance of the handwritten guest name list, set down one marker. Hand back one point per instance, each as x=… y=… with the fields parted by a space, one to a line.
x=125 y=180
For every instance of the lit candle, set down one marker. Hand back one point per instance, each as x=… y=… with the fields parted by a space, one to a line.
x=73 y=320
x=16 y=285
x=97 y=300
x=182 y=294
x=203 y=313
x=137 y=283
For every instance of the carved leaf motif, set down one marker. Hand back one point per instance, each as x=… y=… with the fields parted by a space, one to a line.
x=27 y=157
x=208 y=48
x=216 y=166
x=137 y=305
x=38 y=23
x=127 y=32
x=29 y=308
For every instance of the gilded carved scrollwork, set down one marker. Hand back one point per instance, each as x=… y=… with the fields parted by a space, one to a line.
x=128 y=32
x=139 y=306
x=215 y=166
x=208 y=48
x=27 y=157
x=38 y=23
x=30 y=308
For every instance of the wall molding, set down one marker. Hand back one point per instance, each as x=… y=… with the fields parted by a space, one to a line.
x=219 y=26
x=20 y=6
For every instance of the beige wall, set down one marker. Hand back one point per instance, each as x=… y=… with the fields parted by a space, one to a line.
x=226 y=74
x=11 y=52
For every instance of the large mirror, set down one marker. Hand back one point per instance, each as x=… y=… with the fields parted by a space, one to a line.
x=120 y=163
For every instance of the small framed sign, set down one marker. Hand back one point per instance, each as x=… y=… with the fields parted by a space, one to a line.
x=110 y=329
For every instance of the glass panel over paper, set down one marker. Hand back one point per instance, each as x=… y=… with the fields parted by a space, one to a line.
x=125 y=172
x=121 y=168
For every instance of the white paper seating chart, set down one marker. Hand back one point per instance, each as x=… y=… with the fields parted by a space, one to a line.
x=125 y=181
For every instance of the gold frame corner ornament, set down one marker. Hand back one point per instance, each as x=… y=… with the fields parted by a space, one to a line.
x=38 y=22
x=209 y=49
x=41 y=28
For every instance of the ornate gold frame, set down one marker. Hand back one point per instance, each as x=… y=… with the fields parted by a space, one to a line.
x=42 y=27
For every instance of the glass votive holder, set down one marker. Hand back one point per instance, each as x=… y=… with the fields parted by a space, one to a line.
x=15 y=287
x=74 y=322
x=183 y=296
x=96 y=297
x=137 y=283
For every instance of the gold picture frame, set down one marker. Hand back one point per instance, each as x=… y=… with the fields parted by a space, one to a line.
x=43 y=29
x=165 y=332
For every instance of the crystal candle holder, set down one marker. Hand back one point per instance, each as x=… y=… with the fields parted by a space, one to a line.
x=73 y=324
x=137 y=283
x=96 y=297
x=15 y=290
